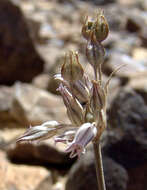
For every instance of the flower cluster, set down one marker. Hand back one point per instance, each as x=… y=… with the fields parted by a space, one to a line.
x=85 y=99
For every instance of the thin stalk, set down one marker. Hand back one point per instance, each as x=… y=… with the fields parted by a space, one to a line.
x=100 y=73
x=99 y=166
x=95 y=74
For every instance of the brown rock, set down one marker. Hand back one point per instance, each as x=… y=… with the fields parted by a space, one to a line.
x=20 y=177
x=41 y=154
x=18 y=57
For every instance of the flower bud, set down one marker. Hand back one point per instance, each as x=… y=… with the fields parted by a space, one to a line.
x=101 y=28
x=40 y=132
x=72 y=70
x=74 y=108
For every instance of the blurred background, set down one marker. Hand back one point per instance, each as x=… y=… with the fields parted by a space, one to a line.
x=34 y=36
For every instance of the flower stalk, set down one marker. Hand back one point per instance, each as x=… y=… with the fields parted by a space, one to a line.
x=99 y=166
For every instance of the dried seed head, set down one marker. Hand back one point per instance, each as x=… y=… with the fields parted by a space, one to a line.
x=87 y=28
x=101 y=28
x=72 y=70
x=96 y=30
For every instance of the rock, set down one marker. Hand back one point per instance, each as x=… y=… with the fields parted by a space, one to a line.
x=100 y=2
x=140 y=54
x=18 y=58
x=116 y=23
x=139 y=84
x=6 y=118
x=83 y=176
x=59 y=185
x=128 y=118
x=33 y=106
x=6 y=96
x=143 y=36
x=143 y=5
x=132 y=67
x=125 y=44
x=45 y=184
x=9 y=135
x=41 y=81
x=21 y=176
x=136 y=19
x=42 y=154
x=138 y=178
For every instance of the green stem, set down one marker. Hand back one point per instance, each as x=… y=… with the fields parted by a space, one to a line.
x=99 y=166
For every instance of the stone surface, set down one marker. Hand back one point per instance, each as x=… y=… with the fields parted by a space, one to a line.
x=128 y=121
x=41 y=81
x=42 y=154
x=139 y=84
x=32 y=106
x=83 y=176
x=18 y=58
x=136 y=20
x=140 y=54
x=6 y=96
x=131 y=68
x=21 y=177
x=9 y=135
x=138 y=178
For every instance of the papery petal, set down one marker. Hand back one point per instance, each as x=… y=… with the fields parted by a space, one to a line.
x=66 y=137
x=84 y=135
x=75 y=149
x=44 y=131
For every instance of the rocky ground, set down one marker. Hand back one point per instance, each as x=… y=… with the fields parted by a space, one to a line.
x=34 y=36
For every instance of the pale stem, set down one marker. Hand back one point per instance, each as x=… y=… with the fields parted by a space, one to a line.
x=99 y=166
x=100 y=73
x=95 y=74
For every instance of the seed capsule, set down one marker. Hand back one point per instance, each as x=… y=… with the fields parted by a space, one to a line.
x=72 y=70
x=98 y=98
x=101 y=27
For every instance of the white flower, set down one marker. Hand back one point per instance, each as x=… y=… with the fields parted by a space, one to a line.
x=83 y=136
